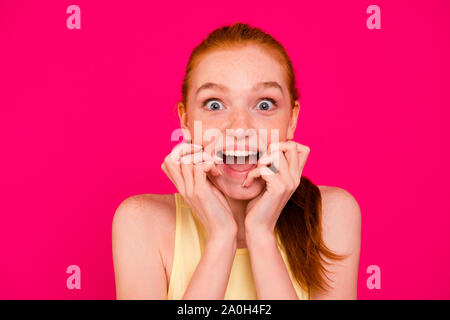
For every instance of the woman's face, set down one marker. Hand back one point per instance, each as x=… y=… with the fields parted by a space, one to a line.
x=228 y=97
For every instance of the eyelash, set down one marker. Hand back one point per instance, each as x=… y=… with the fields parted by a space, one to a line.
x=273 y=101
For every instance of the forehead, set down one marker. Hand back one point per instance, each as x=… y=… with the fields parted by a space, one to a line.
x=238 y=68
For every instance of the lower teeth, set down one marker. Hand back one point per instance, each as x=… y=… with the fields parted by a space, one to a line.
x=240 y=160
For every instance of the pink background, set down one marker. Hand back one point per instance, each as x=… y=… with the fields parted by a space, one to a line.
x=86 y=117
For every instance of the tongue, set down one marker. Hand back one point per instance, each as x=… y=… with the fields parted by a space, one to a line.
x=240 y=163
x=241 y=167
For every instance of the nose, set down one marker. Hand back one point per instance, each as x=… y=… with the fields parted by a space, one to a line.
x=240 y=119
x=239 y=128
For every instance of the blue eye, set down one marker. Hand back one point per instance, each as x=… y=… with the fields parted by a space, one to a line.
x=267 y=106
x=214 y=105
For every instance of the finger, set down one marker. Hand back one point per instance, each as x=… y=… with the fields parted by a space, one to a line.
x=199 y=176
x=277 y=165
x=192 y=158
x=209 y=165
x=173 y=171
x=264 y=161
x=303 y=153
x=274 y=157
x=212 y=150
x=182 y=149
x=252 y=175
x=261 y=172
x=188 y=177
x=201 y=157
x=164 y=169
x=200 y=173
x=283 y=167
x=289 y=148
x=211 y=155
x=188 y=163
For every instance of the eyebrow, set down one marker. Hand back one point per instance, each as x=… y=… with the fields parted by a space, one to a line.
x=265 y=85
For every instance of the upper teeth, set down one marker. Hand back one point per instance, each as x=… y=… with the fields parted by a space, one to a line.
x=239 y=153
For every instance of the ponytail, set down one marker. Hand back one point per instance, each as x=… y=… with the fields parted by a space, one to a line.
x=300 y=231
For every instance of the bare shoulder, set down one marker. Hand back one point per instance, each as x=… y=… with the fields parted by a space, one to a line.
x=341 y=233
x=139 y=244
x=336 y=200
x=145 y=207
x=341 y=219
x=151 y=214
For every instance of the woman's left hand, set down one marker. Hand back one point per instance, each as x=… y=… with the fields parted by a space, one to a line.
x=281 y=168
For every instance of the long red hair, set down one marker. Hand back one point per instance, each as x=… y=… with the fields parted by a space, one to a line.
x=299 y=224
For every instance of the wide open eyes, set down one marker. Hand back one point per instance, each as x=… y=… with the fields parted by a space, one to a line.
x=265 y=104
x=213 y=104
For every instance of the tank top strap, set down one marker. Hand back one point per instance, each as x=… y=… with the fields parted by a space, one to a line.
x=191 y=217
x=188 y=248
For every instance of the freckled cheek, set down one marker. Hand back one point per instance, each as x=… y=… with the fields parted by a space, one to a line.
x=281 y=135
x=212 y=132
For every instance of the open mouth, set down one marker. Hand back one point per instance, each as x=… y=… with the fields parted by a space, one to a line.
x=239 y=161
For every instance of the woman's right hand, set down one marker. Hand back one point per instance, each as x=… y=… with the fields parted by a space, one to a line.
x=187 y=166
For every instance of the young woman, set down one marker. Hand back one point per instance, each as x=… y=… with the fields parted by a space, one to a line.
x=244 y=230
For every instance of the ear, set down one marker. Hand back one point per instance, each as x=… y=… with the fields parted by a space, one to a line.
x=293 y=120
x=182 y=114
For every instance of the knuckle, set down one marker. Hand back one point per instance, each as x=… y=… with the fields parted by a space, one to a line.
x=197 y=167
x=186 y=160
x=283 y=187
x=292 y=186
x=171 y=158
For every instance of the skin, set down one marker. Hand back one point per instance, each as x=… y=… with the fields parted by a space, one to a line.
x=235 y=212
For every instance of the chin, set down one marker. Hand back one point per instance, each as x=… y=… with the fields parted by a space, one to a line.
x=234 y=190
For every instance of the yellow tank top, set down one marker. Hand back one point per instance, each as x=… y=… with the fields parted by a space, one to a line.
x=190 y=239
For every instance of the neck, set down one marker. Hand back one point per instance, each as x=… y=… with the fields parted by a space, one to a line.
x=238 y=207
